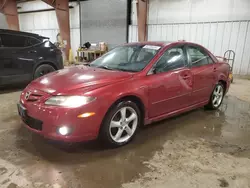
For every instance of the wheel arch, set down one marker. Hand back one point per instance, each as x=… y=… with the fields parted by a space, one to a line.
x=223 y=80
x=43 y=63
x=224 y=83
x=137 y=100
x=129 y=97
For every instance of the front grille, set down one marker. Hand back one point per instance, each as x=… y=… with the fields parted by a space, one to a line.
x=34 y=97
x=33 y=123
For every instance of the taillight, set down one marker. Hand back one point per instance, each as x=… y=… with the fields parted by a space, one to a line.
x=58 y=51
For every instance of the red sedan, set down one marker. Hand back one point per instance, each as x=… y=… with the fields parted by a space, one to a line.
x=132 y=85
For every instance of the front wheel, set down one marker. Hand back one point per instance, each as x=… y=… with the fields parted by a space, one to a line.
x=120 y=124
x=42 y=70
x=216 y=97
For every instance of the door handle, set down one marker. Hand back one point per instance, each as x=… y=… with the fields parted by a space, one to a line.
x=215 y=69
x=32 y=51
x=185 y=77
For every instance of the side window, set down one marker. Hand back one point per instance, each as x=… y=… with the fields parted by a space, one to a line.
x=13 y=40
x=198 y=57
x=172 y=59
x=1 y=41
x=145 y=54
x=29 y=41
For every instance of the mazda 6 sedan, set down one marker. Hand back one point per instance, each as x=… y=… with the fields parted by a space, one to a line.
x=130 y=86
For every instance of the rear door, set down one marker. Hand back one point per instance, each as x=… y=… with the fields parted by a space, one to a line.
x=170 y=84
x=203 y=72
x=18 y=57
x=6 y=67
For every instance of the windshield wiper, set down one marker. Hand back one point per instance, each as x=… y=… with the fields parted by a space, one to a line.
x=87 y=64
x=105 y=67
x=126 y=70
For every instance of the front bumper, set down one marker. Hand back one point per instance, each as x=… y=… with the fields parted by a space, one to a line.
x=51 y=118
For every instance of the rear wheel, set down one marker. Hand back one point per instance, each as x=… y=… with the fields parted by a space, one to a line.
x=121 y=124
x=216 y=97
x=42 y=70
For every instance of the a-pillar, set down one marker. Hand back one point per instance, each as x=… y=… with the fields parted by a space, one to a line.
x=9 y=9
x=142 y=12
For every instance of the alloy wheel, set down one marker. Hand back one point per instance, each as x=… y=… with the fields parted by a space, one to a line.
x=123 y=124
x=45 y=71
x=217 y=96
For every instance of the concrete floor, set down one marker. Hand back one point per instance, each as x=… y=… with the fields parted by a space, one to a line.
x=197 y=149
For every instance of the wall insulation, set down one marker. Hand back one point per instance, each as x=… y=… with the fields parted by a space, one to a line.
x=3 y=23
x=217 y=25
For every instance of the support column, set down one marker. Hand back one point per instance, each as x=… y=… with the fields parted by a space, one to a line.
x=62 y=14
x=9 y=9
x=142 y=12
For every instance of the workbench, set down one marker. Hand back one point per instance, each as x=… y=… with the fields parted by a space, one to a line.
x=87 y=53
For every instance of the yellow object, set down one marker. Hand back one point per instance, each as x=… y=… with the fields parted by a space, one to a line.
x=230 y=76
x=88 y=114
x=71 y=58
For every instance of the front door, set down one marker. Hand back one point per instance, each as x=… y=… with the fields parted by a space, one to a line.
x=170 y=84
x=202 y=68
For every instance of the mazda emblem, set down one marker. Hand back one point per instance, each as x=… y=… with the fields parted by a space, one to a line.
x=27 y=95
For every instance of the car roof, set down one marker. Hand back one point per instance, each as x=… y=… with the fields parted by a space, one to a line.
x=7 y=31
x=162 y=43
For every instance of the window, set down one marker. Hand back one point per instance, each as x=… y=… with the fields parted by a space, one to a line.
x=198 y=57
x=17 y=41
x=145 y=54
x=131 y=58
x=31 y=41
x=172 y=59
x=12 y=40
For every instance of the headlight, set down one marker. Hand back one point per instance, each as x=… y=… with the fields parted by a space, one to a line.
x=69 y=101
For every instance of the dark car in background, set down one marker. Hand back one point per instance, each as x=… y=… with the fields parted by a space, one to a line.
x=26 y=56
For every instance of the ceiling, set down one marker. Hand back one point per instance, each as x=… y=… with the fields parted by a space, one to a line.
x=21 y=1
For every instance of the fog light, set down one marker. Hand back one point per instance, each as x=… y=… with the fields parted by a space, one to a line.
x=64 y=130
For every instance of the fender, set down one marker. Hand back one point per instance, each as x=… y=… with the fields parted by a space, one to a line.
x=118 y=93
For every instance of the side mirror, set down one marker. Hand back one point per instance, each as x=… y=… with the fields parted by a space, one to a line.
x=152 y=71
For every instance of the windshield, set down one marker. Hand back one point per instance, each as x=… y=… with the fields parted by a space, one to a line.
x=131 y=58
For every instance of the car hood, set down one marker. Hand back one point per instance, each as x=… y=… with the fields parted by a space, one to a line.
x=80 y=77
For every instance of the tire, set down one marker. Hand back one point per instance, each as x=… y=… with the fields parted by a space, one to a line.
x=216 y=97
x=42 y=70
x=122 y=130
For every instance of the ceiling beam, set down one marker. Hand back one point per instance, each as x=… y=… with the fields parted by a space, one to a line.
x=62 y=14
x=9 y=9
x=50 y=2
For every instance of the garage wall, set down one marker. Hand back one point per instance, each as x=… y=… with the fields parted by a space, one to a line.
x=45 y=23
x=3 y=23
x=218 y=25
x=104 y=21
